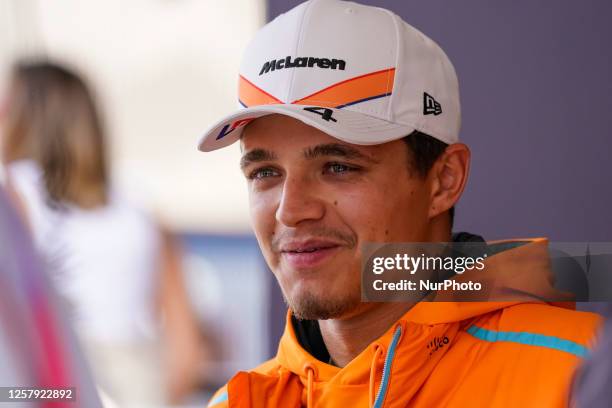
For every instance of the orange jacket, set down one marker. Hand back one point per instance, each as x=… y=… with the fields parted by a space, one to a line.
x=439 y=354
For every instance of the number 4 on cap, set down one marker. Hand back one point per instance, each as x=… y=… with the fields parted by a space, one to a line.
x=325 y=113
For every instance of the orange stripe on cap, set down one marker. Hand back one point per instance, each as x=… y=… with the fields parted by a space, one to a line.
x=251 y=95
x=364 y=87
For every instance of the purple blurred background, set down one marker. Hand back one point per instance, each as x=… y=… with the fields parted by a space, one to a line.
x=536 y=88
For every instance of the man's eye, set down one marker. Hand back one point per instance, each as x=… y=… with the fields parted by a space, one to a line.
x=338 y=168
x=262 y=173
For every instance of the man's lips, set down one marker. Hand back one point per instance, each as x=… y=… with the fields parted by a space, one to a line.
x=308 y=254
x=307 y=246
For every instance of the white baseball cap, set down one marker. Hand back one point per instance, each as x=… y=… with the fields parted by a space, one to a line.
x=358 y=73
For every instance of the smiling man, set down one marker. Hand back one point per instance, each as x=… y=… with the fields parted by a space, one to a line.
x=315 y=200
x=350 y=135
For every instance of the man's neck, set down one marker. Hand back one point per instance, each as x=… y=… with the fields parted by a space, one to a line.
x=347 y=337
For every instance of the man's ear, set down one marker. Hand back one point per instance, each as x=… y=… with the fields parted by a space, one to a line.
x=448 y=176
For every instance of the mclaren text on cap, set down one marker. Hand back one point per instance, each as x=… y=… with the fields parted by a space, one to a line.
x=302 y=62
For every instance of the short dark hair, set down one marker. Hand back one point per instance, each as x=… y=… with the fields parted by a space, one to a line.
x=424 y=150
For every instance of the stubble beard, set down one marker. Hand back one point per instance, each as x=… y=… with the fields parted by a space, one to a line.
x=310 y=306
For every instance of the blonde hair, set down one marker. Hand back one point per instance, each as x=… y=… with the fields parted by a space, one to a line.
x=51 y=118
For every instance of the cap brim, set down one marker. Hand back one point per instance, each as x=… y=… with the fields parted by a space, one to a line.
x=348 y=126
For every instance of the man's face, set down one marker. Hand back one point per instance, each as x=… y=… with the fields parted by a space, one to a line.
x=314 y=202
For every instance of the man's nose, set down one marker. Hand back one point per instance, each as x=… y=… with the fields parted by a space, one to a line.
x=300 y=201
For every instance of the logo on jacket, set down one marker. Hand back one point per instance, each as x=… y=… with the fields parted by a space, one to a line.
x=436 y=344
x=302 y=62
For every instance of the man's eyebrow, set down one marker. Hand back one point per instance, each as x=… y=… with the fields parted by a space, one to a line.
x=338 y=150
x=256 y=155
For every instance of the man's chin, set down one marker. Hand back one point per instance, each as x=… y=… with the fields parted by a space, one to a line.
x=312 y=307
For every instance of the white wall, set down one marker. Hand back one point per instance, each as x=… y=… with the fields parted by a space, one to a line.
x=164 y=70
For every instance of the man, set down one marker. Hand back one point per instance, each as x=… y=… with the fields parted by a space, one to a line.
x=350 y=136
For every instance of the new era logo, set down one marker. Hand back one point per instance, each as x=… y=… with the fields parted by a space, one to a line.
x=430 y=105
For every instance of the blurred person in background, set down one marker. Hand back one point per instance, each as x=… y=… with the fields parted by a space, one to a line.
x=119 y=273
